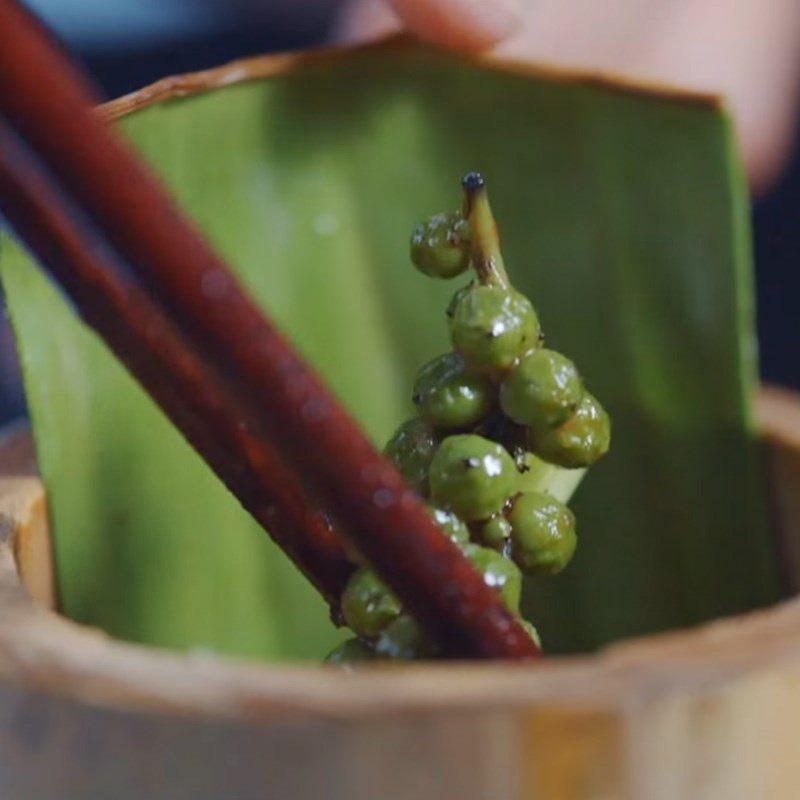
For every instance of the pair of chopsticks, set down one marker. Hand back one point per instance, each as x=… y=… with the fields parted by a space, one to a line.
x=180 y=321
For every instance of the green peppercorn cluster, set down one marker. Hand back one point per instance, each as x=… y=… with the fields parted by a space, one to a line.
x=491 y=415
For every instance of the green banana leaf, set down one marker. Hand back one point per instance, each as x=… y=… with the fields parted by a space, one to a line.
x=624 y=217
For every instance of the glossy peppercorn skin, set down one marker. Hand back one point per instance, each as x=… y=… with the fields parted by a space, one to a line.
x=498 y=572
x=351 y=651
x=543 y=538
x=472 y=476
x=580 y=441
x=368 y=605
x=447 y=396
x=496 y=534
x=456 y=299
x=411 y=449
x=403 y=639
x=493 y=326
x=440 y=245
x=543 y=389
x=454 y=528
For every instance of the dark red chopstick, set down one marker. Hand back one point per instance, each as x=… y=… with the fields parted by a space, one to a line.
x=154 y=351
x=47 y=103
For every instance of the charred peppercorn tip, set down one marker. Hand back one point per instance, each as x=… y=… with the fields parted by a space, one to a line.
x=473 y=181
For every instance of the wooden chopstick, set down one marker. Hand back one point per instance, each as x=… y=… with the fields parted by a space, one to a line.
x=45 y=101
x=154 y=351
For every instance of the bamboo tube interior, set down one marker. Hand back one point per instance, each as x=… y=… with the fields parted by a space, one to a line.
x=40 y=647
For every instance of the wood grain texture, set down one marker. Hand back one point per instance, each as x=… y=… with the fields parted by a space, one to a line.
x=705 y=713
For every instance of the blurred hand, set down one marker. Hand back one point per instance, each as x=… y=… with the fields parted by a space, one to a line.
x=748 y=50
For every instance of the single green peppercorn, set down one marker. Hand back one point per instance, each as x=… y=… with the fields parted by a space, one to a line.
x=440 y=245
x=543 y=389
x=349 y=652
x=532 y=632
x=542 y=533
x=449 y=398
x=367 y=603
x=496 y=533
x=492 y=327
x=403 y=639
x=411 y=449
x=472 y=476
x=580 y=441
x=454 y=528
x=498 y=572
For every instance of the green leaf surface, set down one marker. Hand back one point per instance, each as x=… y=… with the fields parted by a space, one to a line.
x=623 y=217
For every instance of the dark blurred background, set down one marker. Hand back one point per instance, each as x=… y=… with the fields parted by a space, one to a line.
x=126 y=44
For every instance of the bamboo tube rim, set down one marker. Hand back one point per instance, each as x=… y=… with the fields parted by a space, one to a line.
x=277 y=64
x=40 y=650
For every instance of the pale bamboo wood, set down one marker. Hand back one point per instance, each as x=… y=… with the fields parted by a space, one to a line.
x=712 y=712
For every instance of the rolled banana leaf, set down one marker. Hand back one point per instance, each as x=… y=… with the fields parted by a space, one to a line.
x=623 y=216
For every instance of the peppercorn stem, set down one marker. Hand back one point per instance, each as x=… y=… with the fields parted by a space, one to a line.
x=487 y=260
x=539 y=476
